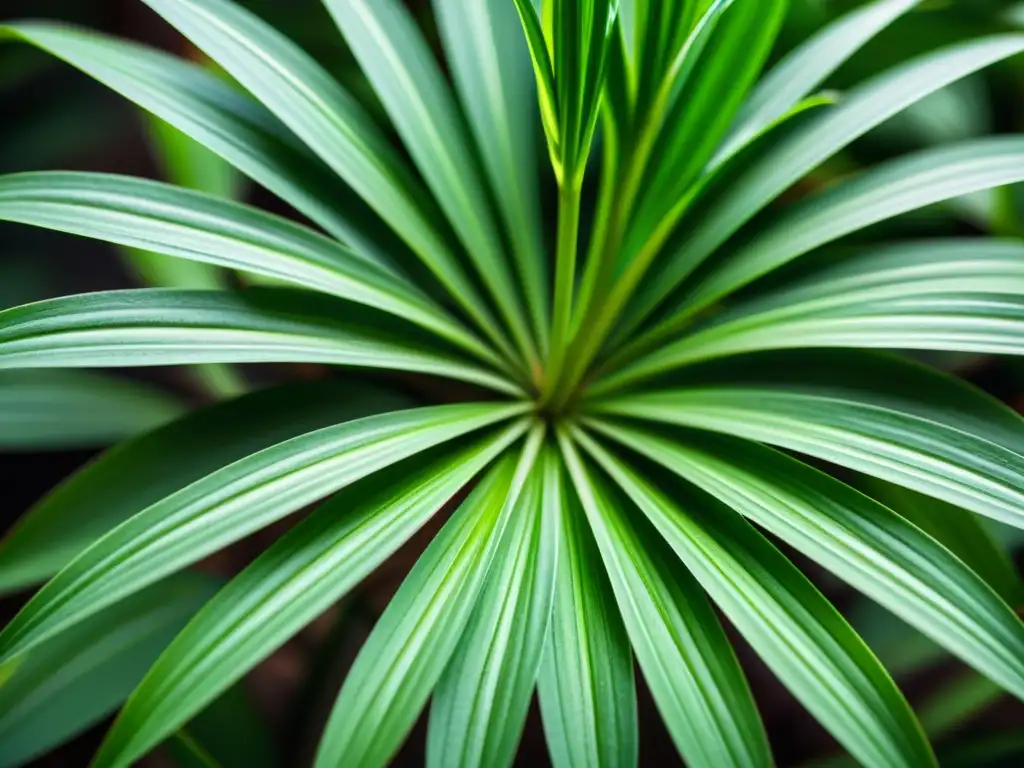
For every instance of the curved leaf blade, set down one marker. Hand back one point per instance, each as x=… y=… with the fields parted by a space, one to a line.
x=287 y=587
x=791 y=625
x=330 y=122
x=683 y=651
x=480 y=705
x=412 y=642
x=145 y=327
x=228 y=505
x=873 y=413
x=219 y=117
x=187 y=224
x=405 y=75
x=807 y=66
x=866 y=544
x=585 y=685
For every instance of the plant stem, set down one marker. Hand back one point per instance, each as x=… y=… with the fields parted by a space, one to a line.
x=565 y=278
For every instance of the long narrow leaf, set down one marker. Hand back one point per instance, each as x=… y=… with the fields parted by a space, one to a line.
x=166 y=327
x=228 y=505
x=291 y=584
x=409 y=648
x=791 y=625
x=480 y=705
x=686 y=657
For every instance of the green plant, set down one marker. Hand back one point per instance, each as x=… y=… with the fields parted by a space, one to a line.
x=638 y=381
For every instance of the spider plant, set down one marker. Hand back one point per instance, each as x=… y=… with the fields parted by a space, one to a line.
x=639 y=377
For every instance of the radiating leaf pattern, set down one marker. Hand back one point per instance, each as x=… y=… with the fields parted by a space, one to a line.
x=641 y=334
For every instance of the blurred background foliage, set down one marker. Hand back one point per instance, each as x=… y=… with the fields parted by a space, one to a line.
x=52 y=422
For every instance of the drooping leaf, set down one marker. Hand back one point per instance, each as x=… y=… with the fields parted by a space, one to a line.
x=219 y=117
x=585 y=684
x=227 y=505
x=880 y=415
x=291 y=584
x=167 y=327
x=866 y=544
x=79 y=677
x=682 y=649
x=48 y=410
x=791 y=625
x=140 y=472
x=177 y=222
x=332 y=124
x=412 y=642
x=479 y=707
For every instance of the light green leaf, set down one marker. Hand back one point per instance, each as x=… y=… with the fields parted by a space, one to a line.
x=479 y=707
x=877 y=414
x=230 y=504
x=808 y=65
x=331 y=123
x=585 y=685
x=219 y=117
x=958 y=530
x=491 y=69
x=896 y=187
x=407 y=652
x=942 y=295
x=76 y=679
x=791 y=625
x=887 y=558
x=683 y=651
x=292 y=583
x=405 y=76
x=142 y=471
x=167 y=327
x=178 y=222
x=799 y=153
x=48 y=410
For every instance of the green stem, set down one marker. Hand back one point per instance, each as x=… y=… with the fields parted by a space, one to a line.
x=565 y=278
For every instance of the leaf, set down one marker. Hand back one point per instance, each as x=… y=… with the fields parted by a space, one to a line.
x=51 y=410
x=228 y=733
x=946 y=295
x=585 y=685
x=168 y=327
x=685 y=655
x=293 y=582
x=896 y=187
x=178 y=222
x=226 y=121
x=229 y=504
x=328 y=121
x=480 y=704
x=406 y=653
x=808 y=65
x=958 y=530
x=405 y=76
x=876 y=414
x=544 y=75
x=144 y=470
x=890 y=560
x=491 y=70
x=790 y=160
x=791 y=625
x=76 y=679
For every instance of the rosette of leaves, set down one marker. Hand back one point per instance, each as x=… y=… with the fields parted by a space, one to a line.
x=645 y=372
